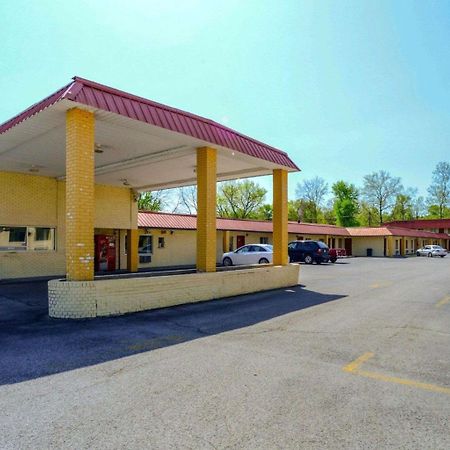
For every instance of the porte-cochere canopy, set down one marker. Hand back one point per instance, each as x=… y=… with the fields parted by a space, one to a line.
x=87 y=135
x=138 y=142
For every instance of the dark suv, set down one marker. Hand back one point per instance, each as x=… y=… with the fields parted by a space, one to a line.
x=308 y=251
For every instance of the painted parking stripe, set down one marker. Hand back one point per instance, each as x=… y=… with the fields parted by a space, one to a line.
x=354 y=368
x=443 y=302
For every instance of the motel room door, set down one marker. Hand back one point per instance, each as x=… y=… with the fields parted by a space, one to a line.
x=348 y=246
x=240 y=241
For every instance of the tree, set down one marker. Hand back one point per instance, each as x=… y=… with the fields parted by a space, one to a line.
x=313 y=191
x=380 y=189
x=419 y=207
x=439 y=190
x=152 y=201
x=368 y=215
x=239 y=199
x=265 y=212
x=346 y=205
x=187 y=199
x=403 y=208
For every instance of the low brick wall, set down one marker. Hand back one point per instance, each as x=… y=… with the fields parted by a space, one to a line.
x=80 y=299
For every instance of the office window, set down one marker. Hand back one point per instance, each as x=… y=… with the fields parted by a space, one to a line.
x=161 y=242
x=26 y=238
x=263 y=240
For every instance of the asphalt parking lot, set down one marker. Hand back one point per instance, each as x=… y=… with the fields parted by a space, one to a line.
x=358 y=356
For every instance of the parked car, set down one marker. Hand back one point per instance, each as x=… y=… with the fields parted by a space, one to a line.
x=249 y=254
x=336 y=253
x=431 y=250
x=308 y=252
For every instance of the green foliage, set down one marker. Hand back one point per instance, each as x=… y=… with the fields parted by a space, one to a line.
x=150 y=201
x=439 y=190
x=265 y=212
x=403 y=208
x=240 y=199
x=368 y=215
x=346 y=205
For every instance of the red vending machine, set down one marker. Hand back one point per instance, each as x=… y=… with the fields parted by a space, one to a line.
x=105 y=253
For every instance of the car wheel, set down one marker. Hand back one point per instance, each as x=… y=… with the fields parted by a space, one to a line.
x=227 y=262
x=263 y=261
x=430 y=255
x=308 y=259
x=417 y=253
x=333 y=260
x=442 y=256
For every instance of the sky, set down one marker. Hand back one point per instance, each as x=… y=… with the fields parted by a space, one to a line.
x=345 y=87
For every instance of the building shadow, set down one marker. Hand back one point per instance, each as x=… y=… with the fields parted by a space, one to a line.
x=32 y=345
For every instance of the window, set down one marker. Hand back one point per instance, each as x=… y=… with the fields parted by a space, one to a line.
x=145 y=248
x=263 y=240
x=161 y=242
x=42 y=234
x=26 y=238
x=17 y=234
x=41 y=238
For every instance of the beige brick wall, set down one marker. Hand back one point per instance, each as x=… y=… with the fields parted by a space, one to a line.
x=361 y=244
x=121 y=296
x=30 y=200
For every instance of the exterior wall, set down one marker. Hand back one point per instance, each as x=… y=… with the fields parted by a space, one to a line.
x=180 y=246
x=361 y=244
x=30 y=200
x=72 y=299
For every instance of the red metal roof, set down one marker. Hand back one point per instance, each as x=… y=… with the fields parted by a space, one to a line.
x=189 y=222
x=421 y=223
x=393 y=231
x=96 y=95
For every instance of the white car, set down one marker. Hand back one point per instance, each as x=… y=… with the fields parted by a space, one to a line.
x=431 y=250
x=249 y=254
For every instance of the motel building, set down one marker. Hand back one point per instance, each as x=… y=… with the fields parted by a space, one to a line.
x=433 y=225
x=71 y=169
x=168 y=240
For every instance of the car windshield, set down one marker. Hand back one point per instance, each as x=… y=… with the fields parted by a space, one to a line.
x=322 y=245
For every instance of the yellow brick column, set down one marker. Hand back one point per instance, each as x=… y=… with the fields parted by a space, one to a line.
x=280 y=217
x=206 y=209
x=132 y=250
x=80 y=129
x=225 y=241
x=402 y=246
x=390 y=246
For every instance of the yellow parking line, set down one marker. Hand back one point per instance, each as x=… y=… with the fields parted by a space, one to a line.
x=381 y=284
x=443 y=302
x=353 y=367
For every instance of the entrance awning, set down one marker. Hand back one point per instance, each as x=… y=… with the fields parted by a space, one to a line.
x=139 y=143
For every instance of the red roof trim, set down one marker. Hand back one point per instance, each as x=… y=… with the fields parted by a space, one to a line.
x=189 y=222
x=116 y=101
x=37 y=107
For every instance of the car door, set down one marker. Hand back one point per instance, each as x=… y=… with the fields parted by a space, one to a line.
x=241 y=255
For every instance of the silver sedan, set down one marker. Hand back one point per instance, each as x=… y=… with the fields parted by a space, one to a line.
x=249 y=254
x=431 y=250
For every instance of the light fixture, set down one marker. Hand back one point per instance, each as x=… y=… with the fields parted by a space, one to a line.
x=34 y=169
x=98 y=149
x=125 y=182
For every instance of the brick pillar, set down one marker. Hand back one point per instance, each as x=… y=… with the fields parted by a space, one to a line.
x=80 y=199
x=226 y=241
x=206 y=209
x=132 y=250
x=390 y=246
x=280 y=218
